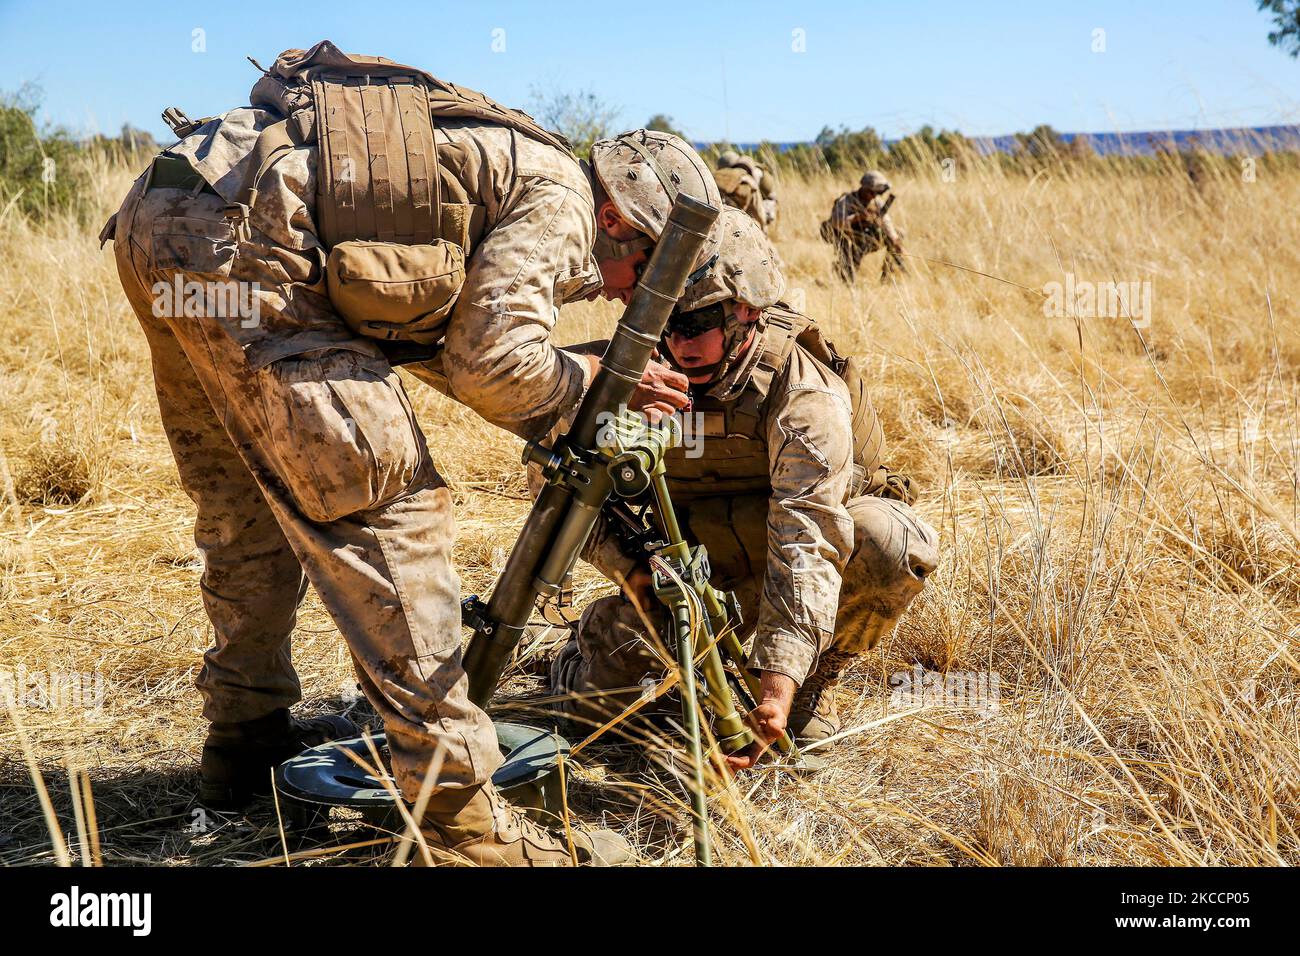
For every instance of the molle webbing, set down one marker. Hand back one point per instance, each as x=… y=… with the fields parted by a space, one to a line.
x=378 y=175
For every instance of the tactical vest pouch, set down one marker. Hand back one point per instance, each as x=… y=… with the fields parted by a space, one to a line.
x=868 y=436
x=735 y=465
x=388 y=290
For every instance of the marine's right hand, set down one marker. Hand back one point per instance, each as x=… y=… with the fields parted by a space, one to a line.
x=661 y=392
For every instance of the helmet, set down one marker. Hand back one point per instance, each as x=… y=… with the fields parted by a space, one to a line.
x=643 y=170
x=875 y=181
x=746 y=269
x=748 y=165
x=728 y=157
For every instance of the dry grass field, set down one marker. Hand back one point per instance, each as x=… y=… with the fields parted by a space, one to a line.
x=1118 y=509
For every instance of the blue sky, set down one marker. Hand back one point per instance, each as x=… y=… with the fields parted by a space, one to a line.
x=719 y=69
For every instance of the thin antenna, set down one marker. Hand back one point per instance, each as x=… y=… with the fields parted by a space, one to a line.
x=726 y=114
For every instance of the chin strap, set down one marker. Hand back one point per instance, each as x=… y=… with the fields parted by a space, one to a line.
x=670 y=186
x=606 y=248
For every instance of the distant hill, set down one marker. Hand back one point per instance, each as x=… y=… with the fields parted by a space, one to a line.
x=1256 y=139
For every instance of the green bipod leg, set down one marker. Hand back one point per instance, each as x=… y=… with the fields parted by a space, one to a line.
x=691 y=720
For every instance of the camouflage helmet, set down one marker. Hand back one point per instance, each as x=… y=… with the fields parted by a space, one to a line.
x=746 y=268
x=727 y=158
x=875 y=181
x=748 y=165
x=643 y=170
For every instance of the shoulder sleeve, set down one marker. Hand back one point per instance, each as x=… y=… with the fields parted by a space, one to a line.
x=498 y=356
x=809 y=531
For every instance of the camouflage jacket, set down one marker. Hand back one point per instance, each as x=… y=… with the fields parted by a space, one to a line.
x=532 y=253
x=806 y=430
x=851 y=214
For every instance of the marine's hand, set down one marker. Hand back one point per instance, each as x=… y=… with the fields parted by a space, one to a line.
x=661 y=392
x=768 y=719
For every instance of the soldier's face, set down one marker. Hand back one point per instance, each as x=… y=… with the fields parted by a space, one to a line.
x=706 y=350
x=619 y=275
x=700 y=351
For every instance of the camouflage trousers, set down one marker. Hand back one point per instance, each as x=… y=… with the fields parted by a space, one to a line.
x=298 y=446
x=850 y=248
x=612 y=657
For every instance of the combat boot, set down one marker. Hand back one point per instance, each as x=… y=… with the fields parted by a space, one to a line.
x=813 y=716
x=475 y=826
x=238 y=757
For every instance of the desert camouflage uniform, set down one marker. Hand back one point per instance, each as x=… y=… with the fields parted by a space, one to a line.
x=297 y=443
x=767 y=186
x=814 y=568
x=857 y=228
x=740 y=187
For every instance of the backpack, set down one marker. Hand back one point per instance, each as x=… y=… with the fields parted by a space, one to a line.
x=396 y=246
x=739 y=189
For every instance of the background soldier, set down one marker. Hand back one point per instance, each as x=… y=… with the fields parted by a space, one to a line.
x=767 y=186
x=798 y=516
x=293 y=435
x=739 y=180
x=860 y=224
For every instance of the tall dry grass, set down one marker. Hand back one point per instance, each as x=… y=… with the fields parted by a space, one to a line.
x=1118 y=509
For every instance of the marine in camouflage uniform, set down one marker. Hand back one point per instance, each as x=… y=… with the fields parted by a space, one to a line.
x=767 y=186
x=859 y=224
x=296 y=441
x=740 y=180
x=797 y=514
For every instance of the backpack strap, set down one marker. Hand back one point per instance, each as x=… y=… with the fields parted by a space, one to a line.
x=181 y=124
x=273 y=143
x=460 y=102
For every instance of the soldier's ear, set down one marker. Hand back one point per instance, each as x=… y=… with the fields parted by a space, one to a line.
x=747 y=313
x=608 y=220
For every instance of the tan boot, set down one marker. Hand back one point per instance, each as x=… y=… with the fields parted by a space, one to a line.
x=813 y=716
x=477 y=827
